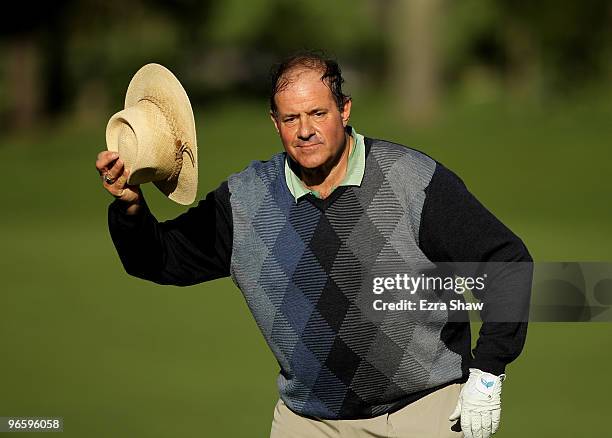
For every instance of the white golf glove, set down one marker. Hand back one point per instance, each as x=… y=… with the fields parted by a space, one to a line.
x=479 y=404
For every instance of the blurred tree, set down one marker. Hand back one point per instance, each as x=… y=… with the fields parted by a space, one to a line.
x=55 y=34
x=22 y=81
x=24 y=31
x=529 y=47
x=415 y=57
x=189 y=16
x=58 y=56
x=572 y=38
x=109 y=42
x=250 y=39
x=474 y=51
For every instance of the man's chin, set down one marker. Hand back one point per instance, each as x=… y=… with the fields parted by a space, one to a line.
x=309 y=164
x=309 y=161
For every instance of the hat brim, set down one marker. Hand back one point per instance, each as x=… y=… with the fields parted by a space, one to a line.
x=154 y=80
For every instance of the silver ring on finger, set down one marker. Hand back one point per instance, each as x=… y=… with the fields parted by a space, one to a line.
x=108 y=179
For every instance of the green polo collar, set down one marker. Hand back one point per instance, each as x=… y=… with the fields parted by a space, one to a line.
x=353 y=177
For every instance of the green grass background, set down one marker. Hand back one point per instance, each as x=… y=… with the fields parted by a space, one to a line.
x=119 y=357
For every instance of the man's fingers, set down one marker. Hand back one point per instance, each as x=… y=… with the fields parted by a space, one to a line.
x=122 y=190
x=116 y=185
x=105 y=160
x=487 y=429
x=116 y=171
x=119 y=188
x=120 y=183
x=477 y=425
x=466 y=425
x=495 y=419
x=111 y=176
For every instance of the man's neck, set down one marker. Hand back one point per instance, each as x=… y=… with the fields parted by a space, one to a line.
x=325 y=178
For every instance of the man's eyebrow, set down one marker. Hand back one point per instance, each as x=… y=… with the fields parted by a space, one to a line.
x=283 y=115
x=312 y=111
x=317 y=110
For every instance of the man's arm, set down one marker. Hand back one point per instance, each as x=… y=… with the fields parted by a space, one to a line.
x=456 y=228
x=194 y=247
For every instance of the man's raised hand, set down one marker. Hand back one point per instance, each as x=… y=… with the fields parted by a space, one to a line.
x=114 y=180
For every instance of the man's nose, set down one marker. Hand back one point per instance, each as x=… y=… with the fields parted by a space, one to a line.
x=306 y=130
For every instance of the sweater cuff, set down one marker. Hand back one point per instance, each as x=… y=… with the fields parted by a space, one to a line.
x=117 y=215
x=489 y=365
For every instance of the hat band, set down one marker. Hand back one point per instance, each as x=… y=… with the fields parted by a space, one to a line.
x=180 y=146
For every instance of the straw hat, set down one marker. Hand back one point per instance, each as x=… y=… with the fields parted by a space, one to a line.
x=155 y=134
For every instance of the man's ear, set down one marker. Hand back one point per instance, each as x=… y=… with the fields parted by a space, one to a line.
x=346 y=111
x=273 y=118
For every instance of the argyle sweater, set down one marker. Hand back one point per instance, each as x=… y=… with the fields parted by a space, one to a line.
x=305 y=269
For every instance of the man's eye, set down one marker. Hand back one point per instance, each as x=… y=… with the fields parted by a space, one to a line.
x=320 y=113
x=289 y=119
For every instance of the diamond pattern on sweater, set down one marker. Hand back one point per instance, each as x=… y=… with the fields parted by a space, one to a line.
x=306 y=273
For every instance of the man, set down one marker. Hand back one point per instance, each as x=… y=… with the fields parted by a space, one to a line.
x=304 y=234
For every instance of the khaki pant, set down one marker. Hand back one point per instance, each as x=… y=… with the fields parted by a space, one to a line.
x=425 y=418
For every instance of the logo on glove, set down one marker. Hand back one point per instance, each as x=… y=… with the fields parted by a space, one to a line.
x=487 y=384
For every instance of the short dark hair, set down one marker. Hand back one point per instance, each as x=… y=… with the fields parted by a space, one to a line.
x=331 y=75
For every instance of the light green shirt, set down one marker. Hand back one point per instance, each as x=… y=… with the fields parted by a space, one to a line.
x=353 y=177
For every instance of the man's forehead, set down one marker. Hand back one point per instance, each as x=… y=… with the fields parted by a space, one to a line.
x=300 y=72
x=304 y=86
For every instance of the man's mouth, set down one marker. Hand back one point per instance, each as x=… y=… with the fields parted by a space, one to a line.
x=308 y=145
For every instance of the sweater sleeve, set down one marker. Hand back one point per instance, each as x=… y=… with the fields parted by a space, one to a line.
x=456 y=229
x=192 y=248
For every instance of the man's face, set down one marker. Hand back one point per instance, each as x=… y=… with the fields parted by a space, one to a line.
x=308 y=120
